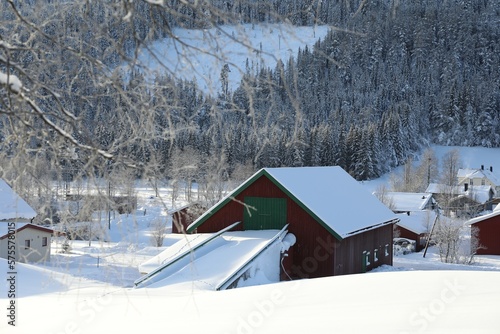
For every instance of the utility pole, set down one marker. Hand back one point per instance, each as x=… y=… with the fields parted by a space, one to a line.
x=432 y=229
x=109 y=206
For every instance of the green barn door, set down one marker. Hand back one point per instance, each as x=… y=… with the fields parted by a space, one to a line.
x=262 y=213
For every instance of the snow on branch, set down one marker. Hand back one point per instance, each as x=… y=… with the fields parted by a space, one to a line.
x=11 y=81
x=61 y=131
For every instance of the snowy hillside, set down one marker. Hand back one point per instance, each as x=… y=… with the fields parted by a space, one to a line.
x=203 y=53
x=471 y=157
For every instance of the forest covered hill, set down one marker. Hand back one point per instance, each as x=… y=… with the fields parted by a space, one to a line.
x=390 y=78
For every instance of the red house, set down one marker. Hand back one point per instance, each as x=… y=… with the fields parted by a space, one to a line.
x=340 y=228
x=488 y=232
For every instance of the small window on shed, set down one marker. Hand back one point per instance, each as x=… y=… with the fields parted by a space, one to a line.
x=386 y=250
x=27 y=244
x=367 y=259
x=375 y=255
x=44 y=241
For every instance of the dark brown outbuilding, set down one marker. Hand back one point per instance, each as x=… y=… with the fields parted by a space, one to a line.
x=340 y=228
x=185 y=216
x=488 y=227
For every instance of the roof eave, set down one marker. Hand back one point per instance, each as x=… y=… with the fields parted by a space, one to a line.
x=373 y=227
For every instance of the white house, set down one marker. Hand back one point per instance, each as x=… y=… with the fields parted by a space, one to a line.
x=26 y=242
x=470 y=178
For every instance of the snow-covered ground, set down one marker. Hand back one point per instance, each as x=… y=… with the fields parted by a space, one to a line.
x=90 y=290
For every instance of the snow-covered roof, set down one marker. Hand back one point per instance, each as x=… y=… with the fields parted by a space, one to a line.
x=494 y=213
x=418 y=221
x=338 y=202
x=480 y=194
x=12 y=206
x=403 y=201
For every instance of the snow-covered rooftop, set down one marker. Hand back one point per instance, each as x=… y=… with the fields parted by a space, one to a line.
x=12 y=206
x=334 y=196
x=494 y=213
x=481 y=194
x=403 y=201
x=418 y=221
x=330 y=193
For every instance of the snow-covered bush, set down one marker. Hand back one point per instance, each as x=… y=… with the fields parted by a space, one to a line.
x=456 y=242
x=159 y=228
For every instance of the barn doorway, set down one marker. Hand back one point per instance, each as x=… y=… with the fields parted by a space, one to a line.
x=262 y=213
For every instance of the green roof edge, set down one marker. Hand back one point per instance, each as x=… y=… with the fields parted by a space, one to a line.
x=230 y=197
x=247 y=183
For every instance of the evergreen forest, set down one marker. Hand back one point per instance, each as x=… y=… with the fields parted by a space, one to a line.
x=391 y=78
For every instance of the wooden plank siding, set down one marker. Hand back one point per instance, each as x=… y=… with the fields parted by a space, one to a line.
x=489 y=236
x=350 y=255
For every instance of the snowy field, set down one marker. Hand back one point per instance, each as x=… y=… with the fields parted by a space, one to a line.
x=204 y=52
x=90 y=290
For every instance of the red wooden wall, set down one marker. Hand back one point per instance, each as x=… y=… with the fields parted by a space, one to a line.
x=349 y=257
x=489 y=235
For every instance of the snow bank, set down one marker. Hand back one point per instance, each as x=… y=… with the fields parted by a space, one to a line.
x=384 y=302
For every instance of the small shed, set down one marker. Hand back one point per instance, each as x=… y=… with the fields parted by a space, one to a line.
x=488 y=232
x=415 y=225
x=185 y=216
x=32 y=242
x=340 y=228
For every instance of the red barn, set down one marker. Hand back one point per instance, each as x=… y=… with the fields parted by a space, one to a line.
x=340 y=228
x=186 y=215
x=488 y=232
x=416 y=226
